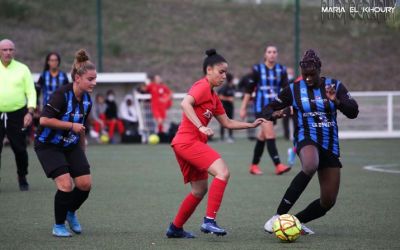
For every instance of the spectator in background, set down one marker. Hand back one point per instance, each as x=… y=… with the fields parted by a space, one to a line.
x=112 y=119
x=17 y=104
x=51 y=78
x=227 y=96
x=161 y=100
x=99 y=115
x=128 y=115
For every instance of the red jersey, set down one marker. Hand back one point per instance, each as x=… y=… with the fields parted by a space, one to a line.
x=159 y=94
x=206 y=105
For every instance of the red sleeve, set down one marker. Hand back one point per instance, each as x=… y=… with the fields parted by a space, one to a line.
x=200 y=92
x=219 y=110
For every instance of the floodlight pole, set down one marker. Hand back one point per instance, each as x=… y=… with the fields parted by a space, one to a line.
x=297 y=38
x=99 y=36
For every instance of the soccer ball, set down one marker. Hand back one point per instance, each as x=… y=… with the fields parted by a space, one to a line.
x=154 y=139
x=287 y=228
x=104 y=138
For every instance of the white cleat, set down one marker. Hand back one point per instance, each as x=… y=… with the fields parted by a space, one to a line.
x=269 y=224
x=305 y=230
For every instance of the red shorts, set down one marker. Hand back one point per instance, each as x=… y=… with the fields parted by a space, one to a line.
x=159 y=112
x=195 y=159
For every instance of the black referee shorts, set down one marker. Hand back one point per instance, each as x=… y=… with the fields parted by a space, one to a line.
x=57 y=161
x=327 y=159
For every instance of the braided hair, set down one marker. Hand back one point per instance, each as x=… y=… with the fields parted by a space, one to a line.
x=310 y=60
x=212 y=59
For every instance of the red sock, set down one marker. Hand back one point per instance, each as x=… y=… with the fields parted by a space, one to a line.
x=160 y=128
x=215 y=196
x=186 y=209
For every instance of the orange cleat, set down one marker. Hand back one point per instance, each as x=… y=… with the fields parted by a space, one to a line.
x=255 y=169
x=281 y=168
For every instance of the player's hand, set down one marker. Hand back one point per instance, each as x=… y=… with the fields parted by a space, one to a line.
x=78 y=128
x=257 y=122
x=330 y=92
x=243 y=113
x=278 y=114
x=206 y=130
x=27 y=120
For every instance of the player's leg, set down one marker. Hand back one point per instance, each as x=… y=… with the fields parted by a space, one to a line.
x=80 y=172
x=267 y=128
x=309 y=157
x=111 y=129
x=186 y=209
x=2 y=134
x=329 y=179
x=62 y=201
x=257 y=153
x=221 y=174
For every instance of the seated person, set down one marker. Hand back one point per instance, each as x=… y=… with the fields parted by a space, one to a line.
x=128 y=115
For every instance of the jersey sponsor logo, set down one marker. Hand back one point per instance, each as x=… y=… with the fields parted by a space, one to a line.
x=86 y=103
x=208 y=114
x=323 y=124
x=76 y=115
x=312 y=114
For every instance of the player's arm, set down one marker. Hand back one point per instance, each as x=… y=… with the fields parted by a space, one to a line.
x=248 y=91
x=233 y=124
x=51 y=113
x=343 y=100
x=275 y=109
x=187 y=107
x=284 y=79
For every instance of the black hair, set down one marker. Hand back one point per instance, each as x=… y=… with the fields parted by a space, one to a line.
x=81 y=64
x=46 y=63
x=212 y=59
x=310 y=60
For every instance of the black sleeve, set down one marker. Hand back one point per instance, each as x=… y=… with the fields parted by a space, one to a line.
x=252 y=83
x=283 y=100
x=347 y=105
x=284 y=79
x=55 y=106
x=222 y=90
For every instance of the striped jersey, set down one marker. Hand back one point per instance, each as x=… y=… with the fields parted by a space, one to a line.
x=266 y=84
x=314 y=114
x=64 y=106
x=47 y=84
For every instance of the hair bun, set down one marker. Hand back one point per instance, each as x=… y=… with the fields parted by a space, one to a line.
x=310 y=53
x=81 y=56
x=211 y=52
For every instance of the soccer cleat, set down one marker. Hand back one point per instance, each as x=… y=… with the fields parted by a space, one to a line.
x=268 y=226
x=291 y=157
x=281 y=168
x=59 y=230
x=23 y=183
x=305 y=230
x=255 y=169
x=174 y=232
x=210 y=226
x=73 y=222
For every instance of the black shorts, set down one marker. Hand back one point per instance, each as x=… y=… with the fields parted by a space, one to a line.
x=57 y=161
x=327 y=159
x=259 y=115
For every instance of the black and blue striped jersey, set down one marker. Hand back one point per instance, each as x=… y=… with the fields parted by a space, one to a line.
x=64 y=106
x=314 y=114
x=266 y=84
x=47 y=84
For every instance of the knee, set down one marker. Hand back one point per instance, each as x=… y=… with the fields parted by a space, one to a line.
x=84 y=186
x=310 y=168
x=200 y=193
x=328 y=203
x=224 y=174
x=65 y=186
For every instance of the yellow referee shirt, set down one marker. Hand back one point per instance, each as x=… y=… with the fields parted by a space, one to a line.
x=17 y=89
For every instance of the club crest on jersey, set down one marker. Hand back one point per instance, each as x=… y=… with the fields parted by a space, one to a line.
x=208 y=114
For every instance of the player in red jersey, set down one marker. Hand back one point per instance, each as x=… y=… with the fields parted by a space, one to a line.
x=161 y=100
x=196 y=159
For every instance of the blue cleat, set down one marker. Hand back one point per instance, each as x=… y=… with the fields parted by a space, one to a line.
x=210 y=226
x=291 y=157
x=174 y=232
x=59 y=230
x=73 y=222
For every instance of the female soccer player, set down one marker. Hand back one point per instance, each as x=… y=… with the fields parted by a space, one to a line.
x=315 y=101
x=51 y=78
x=196 y=159
x=60 y=144
x=268 y=79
